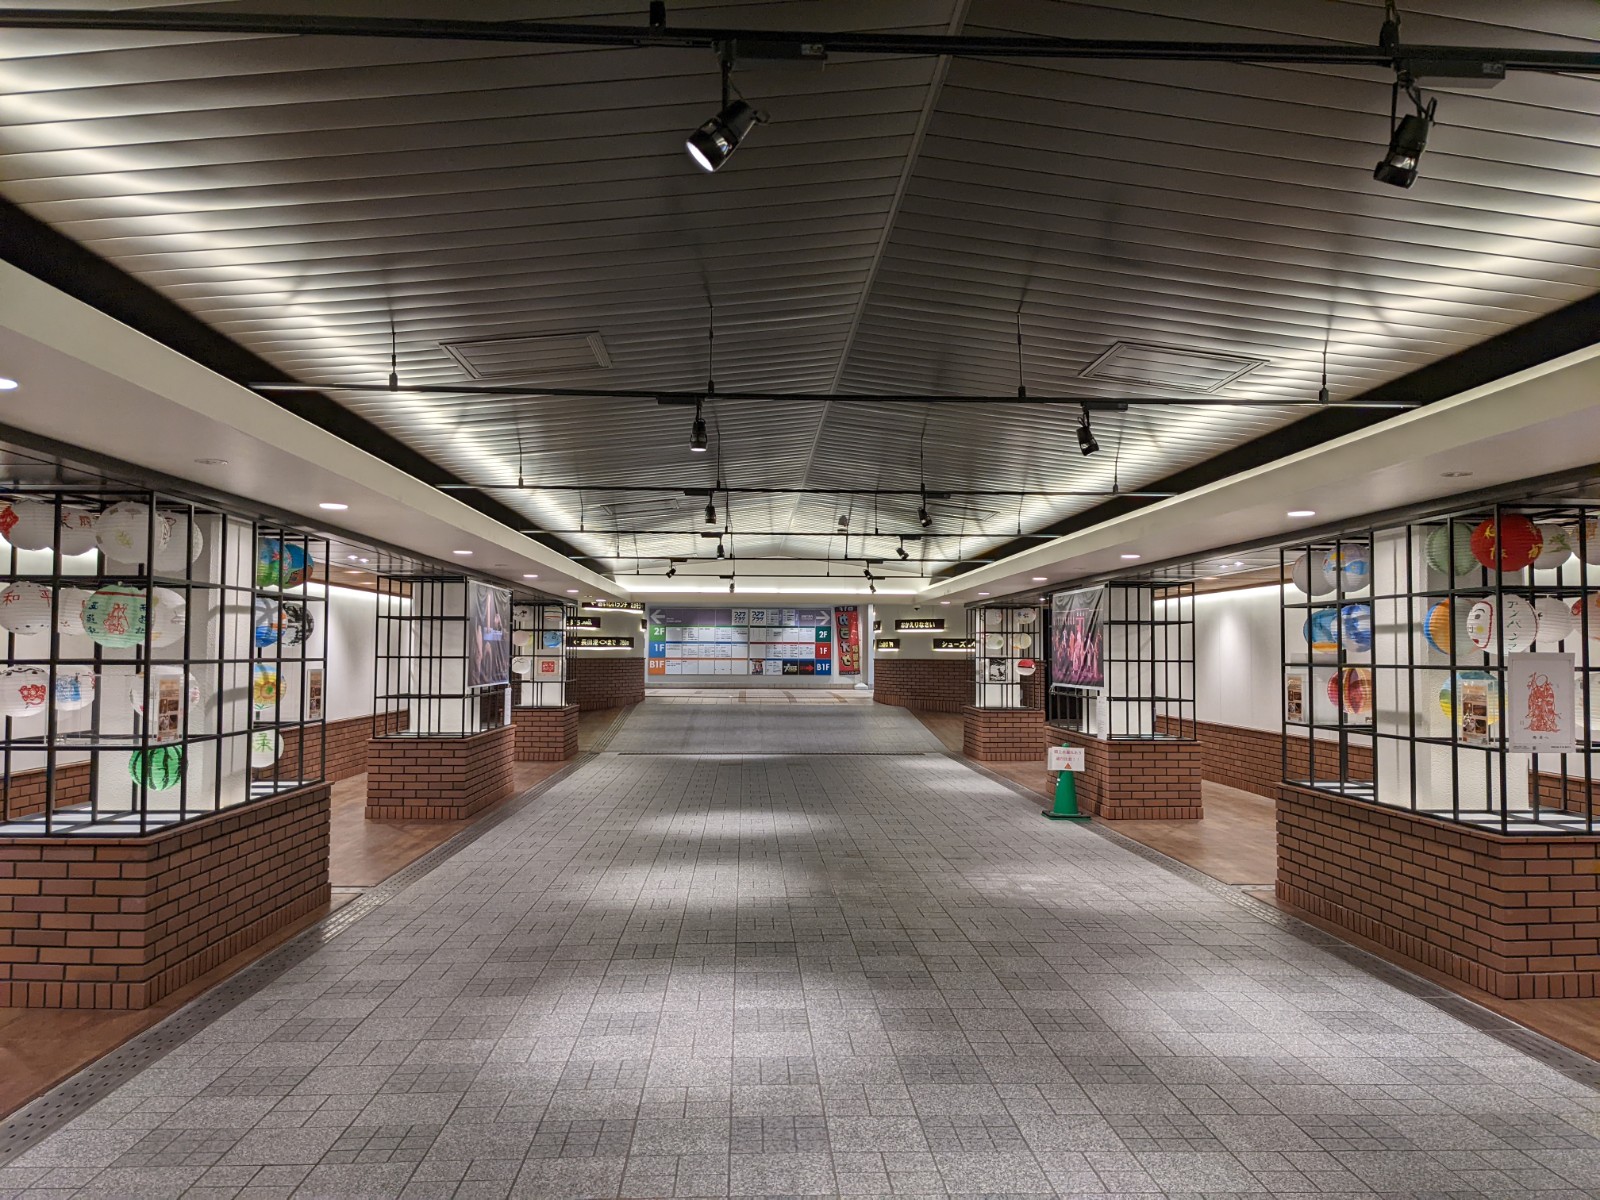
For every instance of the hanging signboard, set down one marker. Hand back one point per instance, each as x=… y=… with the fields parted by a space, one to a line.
x=613 y=606
x=922 y=624
x=1076 y=619
x=882 y=644
x=847 y=620
x=1541 y=715
x=583 y=622
x=579 y=641
x=956 y=644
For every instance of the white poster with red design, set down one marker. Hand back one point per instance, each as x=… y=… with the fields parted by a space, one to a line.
x=1541 y=716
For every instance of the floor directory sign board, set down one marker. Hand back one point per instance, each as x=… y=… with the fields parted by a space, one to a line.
x=739 y=641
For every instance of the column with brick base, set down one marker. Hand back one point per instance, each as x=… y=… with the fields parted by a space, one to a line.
x=1516 y=916
x=942 y=684
x=599 y=680
x=1136 y=778
x=1002 y=734
x=545 y=734
x=438 y=778
x=121 y=922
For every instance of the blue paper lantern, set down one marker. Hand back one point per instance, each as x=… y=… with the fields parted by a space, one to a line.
x=1355 y=626
x=1321 y=630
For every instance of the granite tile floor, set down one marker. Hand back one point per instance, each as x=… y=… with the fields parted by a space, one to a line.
x=787 y=973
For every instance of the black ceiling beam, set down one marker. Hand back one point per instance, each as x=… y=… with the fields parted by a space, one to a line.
x=1564 y=331
x=32 y=246
x=668 y=490
x=694 y=399
x=828 y=42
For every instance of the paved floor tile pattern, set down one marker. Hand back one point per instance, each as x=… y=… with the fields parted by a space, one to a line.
x=707 y=727
x=882 y=974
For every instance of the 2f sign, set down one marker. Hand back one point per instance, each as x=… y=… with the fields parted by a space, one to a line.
x=1064 y=758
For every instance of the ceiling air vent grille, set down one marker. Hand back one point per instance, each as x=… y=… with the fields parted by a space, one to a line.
x=1163 y=368
x=530 y=356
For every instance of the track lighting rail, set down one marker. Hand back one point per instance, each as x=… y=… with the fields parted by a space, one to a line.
x=931 y=493
x=897 y=44
x=695 y=399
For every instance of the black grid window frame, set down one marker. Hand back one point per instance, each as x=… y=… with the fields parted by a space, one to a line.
x=539 y=618
x=420 y=662
x=223 y=668
x=1406 y=663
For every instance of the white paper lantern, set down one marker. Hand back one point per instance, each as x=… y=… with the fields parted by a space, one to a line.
x=1558 y=546
x=1520 y=625
x=170 y=617
x=1594 y=616
x=1557 y=621
x=25 y=609
x=123 y=533
x=115 y=615
x=1591 y=541
x=265 y=746
x=522 y=639
x=74 y=689
x=1310 y=574
x=23 y=691
x=1349 y=567
x=522 y=665
x=157 y=674
x=69 y=611
x=170 y=559
x=33 y=525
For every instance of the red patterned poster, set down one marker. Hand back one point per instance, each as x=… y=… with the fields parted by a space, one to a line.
x=847 y=618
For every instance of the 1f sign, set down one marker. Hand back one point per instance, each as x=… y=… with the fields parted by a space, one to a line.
x=1064 y=758
x=1540 y=714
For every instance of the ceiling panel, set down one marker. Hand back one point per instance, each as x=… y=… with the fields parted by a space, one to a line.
x=314 y=198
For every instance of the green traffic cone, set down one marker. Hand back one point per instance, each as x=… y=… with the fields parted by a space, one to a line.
x=1066 y=808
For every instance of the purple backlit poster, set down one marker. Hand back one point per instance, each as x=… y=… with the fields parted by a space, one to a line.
x=1075 y=627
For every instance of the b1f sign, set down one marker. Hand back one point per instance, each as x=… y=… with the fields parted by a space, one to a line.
x=1064 y=758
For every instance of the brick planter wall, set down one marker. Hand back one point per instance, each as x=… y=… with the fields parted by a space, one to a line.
x=1135 y=780
x=24 y=791
x=121 y=922
x=545 y=734
x=1515 y=916
x=603 y=680
x=927 y=684
x=438 y=778
x=1002 y=734
x=1251 y=759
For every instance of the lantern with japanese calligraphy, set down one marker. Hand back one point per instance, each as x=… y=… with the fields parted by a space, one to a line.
x=1510 y=545
x=23 y=691
x=170 y=618
x=123 y=533
x=74 y=688
x=265 y=746
x=69 y=611
x=115 y=615
x=25 y=608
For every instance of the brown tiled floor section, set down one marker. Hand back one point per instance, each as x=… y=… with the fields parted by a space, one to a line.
x=1236 y=843
x=41 y=1047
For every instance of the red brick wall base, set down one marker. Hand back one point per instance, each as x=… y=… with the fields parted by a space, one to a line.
x=924 y=684
x=545 y=734
x=1518 y=917
x=1002 y=734
x=1135 y=780
x=1252 y=759
x=438 y=778
x=121 y=922
x=600 y=679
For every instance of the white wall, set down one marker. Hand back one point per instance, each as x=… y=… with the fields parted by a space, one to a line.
x=351 y=641
x=1238 y=679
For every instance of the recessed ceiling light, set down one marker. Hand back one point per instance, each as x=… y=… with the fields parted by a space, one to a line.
x=351 y=557
x=333 y=506
x=1041 y=579
x=530 y=577
x=1302 y=512
x=945 y=602
x=7 y=384
x=1454 y=474
x=1130 y=556
x=461 y=552
x=212 y=462
x=366 y=560
x=572 y=591
x=983 y=593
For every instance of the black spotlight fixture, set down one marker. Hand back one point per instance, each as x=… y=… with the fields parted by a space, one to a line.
x=1407 y=138
x=671 y=571
x=698 y=441
x=923 y=518
x=711 y=511
x=730 y=589
x=721 y=550
x=713 y=143
x=1086 y=443
x=901 y=550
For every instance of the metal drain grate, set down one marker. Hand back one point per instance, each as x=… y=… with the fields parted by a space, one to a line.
x=1552 y=1054
x=39 y=1118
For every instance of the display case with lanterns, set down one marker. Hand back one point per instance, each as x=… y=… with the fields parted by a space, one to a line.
x=1006 y=642
x=161 y=658
x=1445 y=666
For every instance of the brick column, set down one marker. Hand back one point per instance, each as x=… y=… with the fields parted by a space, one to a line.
x=1515 y=916
x=601 y=680
x=92 y=922
x=923 y=684
x=438 y=778
x=1002 y=734
x=545 y=734
x=1136 y=779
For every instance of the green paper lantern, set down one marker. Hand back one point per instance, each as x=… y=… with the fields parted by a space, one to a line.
x=158 y=769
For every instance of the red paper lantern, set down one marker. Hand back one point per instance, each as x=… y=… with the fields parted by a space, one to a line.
x=1512 y=547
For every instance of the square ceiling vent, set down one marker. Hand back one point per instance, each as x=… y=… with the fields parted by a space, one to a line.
x=530 y=356
x=1147 y=365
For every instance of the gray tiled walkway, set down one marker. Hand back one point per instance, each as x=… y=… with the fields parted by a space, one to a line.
x=829 y=975
x=707 y=727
